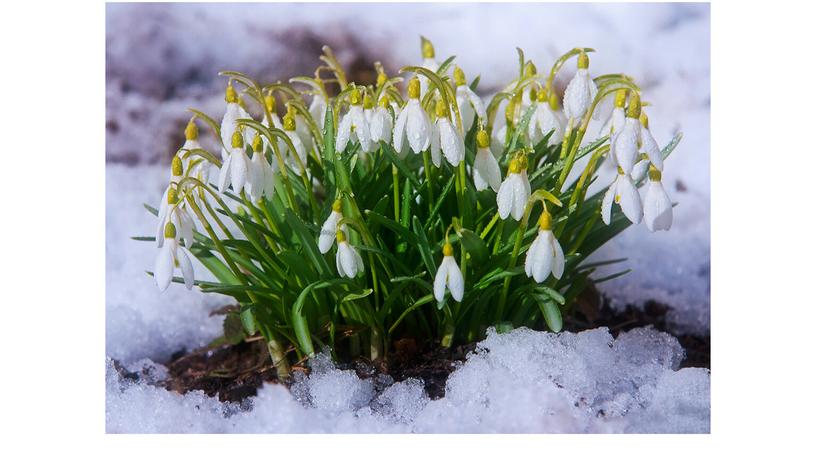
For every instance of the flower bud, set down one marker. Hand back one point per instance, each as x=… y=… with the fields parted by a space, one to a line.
x=447 y=249
x=191 y=131
x=545 y=221
x=337 y=205
x=381 y=78
x=289 y=122
x=427 y=49
x=553 y=100
x=515 y=166
x=341 y=236
x=620 y=98
x=644 y=120
x=533 y=94
x=541 y=96
x=368 y=102
x=354 y=97
x=413 y=88
x=271 y=103
x=169 y=231
x=231 y=96
x=237 y=139
x=172 y=196
x=384 y=101
x=482 y=139
x=459 y=76
x=257 y=143
x=442 y=110
x=583 y=61
x=633 y=111
x=529 y=69
x=654 y=174
x=176 y=167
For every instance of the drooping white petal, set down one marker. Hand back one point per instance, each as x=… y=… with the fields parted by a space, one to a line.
x=456 y=282
x=418 y=127
x=358 y=260
x=543 y=121
x=380 y=125
x=615 y=122
x=224 y=175
x=497 y=141
x=625 y=144
x=346 y=259
x=657 y=208
x=453 y=146
x=639 y=170
x=486 y=170
x=186 y=268
x=608 y=199
x=542 y=263
x=531 y=255
x=470 y=104
x=165 y=262
x=399 y=129
x=441 y=280
x=649 y=145
x=521 y=193
x=343 y=133
x=629 y=199
x=578 y=95
x=558 y=260
x=318 y=109
x=328 y=232
x=436 y=149
x=504 y=197
x=361 y=130
x=238 y=169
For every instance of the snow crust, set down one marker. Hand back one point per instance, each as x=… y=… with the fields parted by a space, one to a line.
x=522 y=381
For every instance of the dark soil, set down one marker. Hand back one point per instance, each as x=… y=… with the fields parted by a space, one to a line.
x=235 y=372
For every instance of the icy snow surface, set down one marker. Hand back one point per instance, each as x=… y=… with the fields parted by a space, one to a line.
x=522 y=381
x=167 y=61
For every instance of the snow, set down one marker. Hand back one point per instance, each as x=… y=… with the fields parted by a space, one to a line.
x=167 y=60
x=521 y=381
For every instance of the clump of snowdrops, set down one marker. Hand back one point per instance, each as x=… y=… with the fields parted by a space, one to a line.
x=408 y=208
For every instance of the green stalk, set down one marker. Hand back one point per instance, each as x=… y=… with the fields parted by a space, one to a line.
x=395 y=177
x=426 y=161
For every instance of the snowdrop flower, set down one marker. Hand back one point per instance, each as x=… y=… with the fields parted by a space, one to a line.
x=170 y=256
x=497 y=140
x=236 y=167
x=318 y=109
x=618 y=116
x=448 y=276
x=381 y=124
x=446 y=137
x=622 y=192
x=625 y=143
x=544 y=255
x=329 y=230
x=580 y=91
x=485 y=167
x=199 y=169
x=657 y=207
x=229 y=122
x=546 y=118
x=349 y=262
x=354 y=126
x=649 y=144
x=413 y=123
x=290 y=129
x=173 y=211
x=261 y=179
x=428 y=62
x=514 y=191
x=469 y=103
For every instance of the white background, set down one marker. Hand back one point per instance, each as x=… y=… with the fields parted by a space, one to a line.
x=762 y=309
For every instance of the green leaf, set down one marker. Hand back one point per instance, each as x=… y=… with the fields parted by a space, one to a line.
x=474 y=245
x=423 y=247
x=307 y=241
x=552 y=315
x=299 y=322
x=404 y=170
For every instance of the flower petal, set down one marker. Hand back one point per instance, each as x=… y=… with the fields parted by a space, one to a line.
x=163 y=269
x=608 y=199
x=650 y=147
x=456 y=282
x=328 y=232
x=186 y=268
x=558 y=261
x=630 y=200
x=657 y=208
x=440 y=280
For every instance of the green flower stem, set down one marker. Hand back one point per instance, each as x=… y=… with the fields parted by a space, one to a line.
x=579 y=192
x=395 y=177
x=449 y=327
x=254 y=211
x=426 y=161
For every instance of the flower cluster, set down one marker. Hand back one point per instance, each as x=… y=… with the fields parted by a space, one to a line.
x=326 y=175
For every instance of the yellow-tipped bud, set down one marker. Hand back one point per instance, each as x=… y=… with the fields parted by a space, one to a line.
x=271 y=103
x=620 y=171
x=522 y=159
x=541 y=96
x=172 y=196
x=553 y=100
x=237 y=139
x=231 y=96
x=583 y=61
x=442 y=110
x=169 y=231
x=633 y=111
x=644 y=120
x=368 y=102
x=257 y=143
x=427 y=49
x=620 y=98
x=191 y=131
x=354 y=97
x=385 y=101
x=482 y=139
x=341 y=236
x=533 y=94
x=289 y=122
x=176 y=167
x=459 y=76
x=447 y=250
x=515 y=166
x=381 y=78
x=545 y=221
x=654 y=173
x=337 y=205
x=529 y=69
x=413 y=88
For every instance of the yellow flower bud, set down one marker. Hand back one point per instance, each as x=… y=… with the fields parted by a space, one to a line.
x=654 y=173
x=237 y=139
x=191 y=131
x=413 y=88
x=176 y=167
x=553 y=100
x=427 y=49
x=257 y=143
x=337 y=205
x=545 y=221
x=482 y=139
x=354 y=97
x=341 y=236
x=271 y=103
x=583 y=61
x=459 y=76
x=368 y=102
x=533 y=93
x=172 y=196
x=169 y=231
x=381 y=78
x=231 y=96
x=289 y=122
x=385 y=101
x=515 y=166
x=541 y=96
x=447 y=249
x=620 y=98
x=529 y=69
x=644 y=120
x=442 y=110
x=633 y=111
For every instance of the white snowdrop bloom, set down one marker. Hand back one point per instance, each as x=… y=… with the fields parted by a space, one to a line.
x=448 y=276
x=413 y=123
x=486 y=170
x=428 y=62
x=580 y=91
x=497 y=140
x=622 y=192
x=649 y=144
x=544 y=255
x=229 y=123
x=290 y=129
x=617 y=117
x=235 y=169
x=318 y=109
x=261 y=179
x=640 y=168
x=174 y=211
x=470 y=104
x=195 y=165
x=170 y=256
x=328 y=232
x=446 y=137
x=546 y=118
x=625 y=143
x=657 y=207
x=380 y=125
x=513 y=192
x=349 y=262
x=354 y=126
